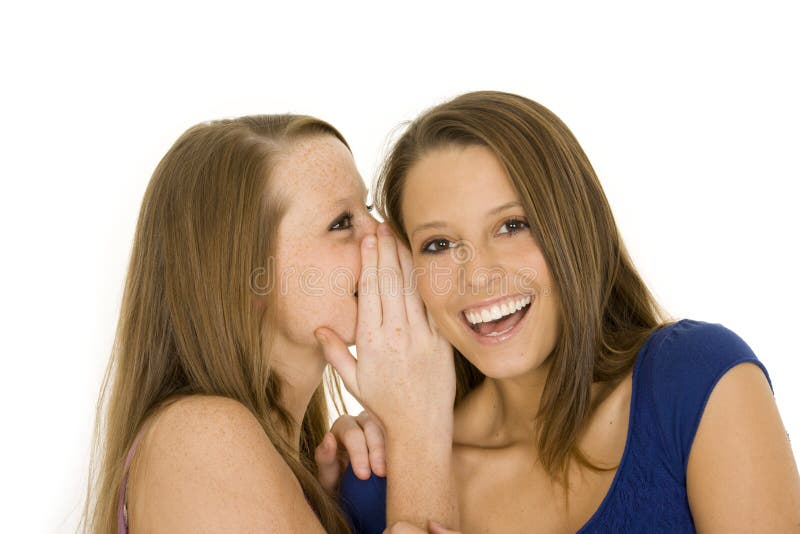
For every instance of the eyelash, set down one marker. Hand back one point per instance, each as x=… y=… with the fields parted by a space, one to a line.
x=510 y=232
x=346 y=216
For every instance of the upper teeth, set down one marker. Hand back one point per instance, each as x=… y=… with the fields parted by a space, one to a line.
x=497 y=311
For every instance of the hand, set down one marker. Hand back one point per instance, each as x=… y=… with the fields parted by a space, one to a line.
x=404 y=373
x=401 y=527
x=364 y=447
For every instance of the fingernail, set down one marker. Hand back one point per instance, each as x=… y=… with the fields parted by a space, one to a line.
x=369 y=241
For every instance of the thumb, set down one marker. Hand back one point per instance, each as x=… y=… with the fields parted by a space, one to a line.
x=339 y=357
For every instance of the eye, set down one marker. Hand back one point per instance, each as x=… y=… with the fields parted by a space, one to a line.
x=435 y=246
x=344 y=222
x=513 y=226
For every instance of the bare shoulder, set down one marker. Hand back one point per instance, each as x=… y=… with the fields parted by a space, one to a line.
x=206 y=464
x=741 y=474
x=206 y=425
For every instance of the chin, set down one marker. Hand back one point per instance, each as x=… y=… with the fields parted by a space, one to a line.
x=502 y=367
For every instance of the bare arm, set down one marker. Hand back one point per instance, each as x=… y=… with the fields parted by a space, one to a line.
x=741 y=475
x=420 y=483
x=207 y=466
x=404 y=375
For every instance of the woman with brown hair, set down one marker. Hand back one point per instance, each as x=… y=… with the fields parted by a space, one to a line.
x=248 y=239
x=579 y=405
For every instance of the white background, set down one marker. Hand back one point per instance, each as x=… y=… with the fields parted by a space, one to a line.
x=689 y=113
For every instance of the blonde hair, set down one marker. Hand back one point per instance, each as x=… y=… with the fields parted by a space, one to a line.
x=607 y=310
x=188 y=323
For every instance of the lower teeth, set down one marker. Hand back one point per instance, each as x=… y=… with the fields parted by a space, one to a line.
x=494 y=334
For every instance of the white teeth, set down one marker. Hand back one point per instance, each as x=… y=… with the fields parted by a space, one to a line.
x=495 y=311
x=495 y=334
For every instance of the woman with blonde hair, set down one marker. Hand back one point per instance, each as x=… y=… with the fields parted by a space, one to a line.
x=248 y=239
x=580 y=406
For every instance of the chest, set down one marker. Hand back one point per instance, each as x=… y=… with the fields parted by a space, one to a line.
x=509 y=491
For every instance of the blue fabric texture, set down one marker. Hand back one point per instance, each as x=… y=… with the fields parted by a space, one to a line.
x=675 y=371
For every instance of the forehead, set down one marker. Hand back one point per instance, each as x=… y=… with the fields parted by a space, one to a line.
x=455 y=181
x=316 y=169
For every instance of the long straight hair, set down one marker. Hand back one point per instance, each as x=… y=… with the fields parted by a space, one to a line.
x=188 y=324
x=607 y=310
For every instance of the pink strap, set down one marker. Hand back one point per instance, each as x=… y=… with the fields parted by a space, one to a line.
x=122 y=516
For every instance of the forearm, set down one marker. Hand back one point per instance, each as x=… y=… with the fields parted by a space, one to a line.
x=420 y=478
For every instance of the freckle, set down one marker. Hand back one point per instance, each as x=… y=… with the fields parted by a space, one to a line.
x=398 y=330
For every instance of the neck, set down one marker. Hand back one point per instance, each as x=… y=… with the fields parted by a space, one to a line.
x=300 y=370
x=513 y=404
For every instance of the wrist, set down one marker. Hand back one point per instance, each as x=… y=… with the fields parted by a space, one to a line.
x=428 y=435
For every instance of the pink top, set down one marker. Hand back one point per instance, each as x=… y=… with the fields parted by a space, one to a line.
x=122 y=508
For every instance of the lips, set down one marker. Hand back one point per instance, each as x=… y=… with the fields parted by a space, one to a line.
x=504 y=318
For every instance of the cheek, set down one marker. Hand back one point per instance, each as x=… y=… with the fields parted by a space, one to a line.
x=315 y=288
x=436 y=286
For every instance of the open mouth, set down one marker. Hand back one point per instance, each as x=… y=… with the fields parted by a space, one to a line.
x=499 y=321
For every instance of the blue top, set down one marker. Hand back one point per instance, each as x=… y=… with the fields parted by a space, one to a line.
x=675 y=371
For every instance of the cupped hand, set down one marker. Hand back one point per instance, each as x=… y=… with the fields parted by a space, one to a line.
x=404 y=374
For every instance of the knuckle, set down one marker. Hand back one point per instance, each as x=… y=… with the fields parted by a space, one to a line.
x=363 y=418
x=353 y=434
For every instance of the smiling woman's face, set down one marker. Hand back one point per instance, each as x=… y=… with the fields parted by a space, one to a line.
x=480 y=271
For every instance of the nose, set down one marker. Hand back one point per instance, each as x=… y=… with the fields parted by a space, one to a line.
x=478 y=271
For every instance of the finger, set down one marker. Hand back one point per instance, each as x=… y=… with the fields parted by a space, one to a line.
x=370 y=315
x=339 y=357
x=390 y=279
x=415 y=309
x=328 y=468
x=437 y=528
x=351 y=436
x=431 y=322
x=375 y=443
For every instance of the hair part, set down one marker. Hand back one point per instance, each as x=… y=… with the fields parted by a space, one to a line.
x=188 y=323
x=607 y=311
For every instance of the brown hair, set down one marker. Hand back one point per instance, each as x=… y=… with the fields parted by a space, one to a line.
x=187 y=324
x=607 y=310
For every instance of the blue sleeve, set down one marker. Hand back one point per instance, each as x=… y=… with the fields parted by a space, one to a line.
x=685 y=366
x=364 y=502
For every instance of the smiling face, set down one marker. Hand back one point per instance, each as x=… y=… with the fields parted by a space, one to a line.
x=318 y=258
x=481 y=273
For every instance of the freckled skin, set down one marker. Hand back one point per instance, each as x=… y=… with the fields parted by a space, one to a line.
x=318 y=268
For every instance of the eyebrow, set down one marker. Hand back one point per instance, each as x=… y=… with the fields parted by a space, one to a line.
x=493 y=211
x=346 y=200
